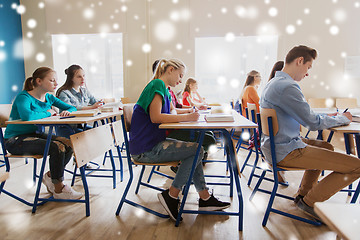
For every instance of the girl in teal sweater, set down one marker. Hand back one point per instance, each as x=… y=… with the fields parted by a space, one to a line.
x=35 y=102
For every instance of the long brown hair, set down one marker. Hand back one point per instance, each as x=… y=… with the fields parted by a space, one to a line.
x=163 y=64
x=41 y=72
x=249 y=80
x=278 y=66
x=187 y=84
x=70 y=73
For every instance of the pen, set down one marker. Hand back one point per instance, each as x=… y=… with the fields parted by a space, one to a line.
x=346 y=110
x=67 y=117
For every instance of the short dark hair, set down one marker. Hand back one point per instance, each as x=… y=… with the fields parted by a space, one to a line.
x=301 y=51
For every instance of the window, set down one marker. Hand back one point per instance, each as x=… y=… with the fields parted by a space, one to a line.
x=101 y=57
x=221 y=66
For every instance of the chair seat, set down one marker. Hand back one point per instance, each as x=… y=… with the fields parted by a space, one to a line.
x=9 y=155
x=156 y=164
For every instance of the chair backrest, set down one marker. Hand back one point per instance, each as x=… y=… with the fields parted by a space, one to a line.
x=346 y=103
x=117 y=131
x=265 y=113
x=252 y=107
x=5 y=110
x=125 y=100
x=127 y=113
x=109 y=100
x=91 y=143
x=317 y=102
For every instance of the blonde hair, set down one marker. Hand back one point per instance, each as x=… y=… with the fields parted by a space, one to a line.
x=163 y=64
x=187 y=84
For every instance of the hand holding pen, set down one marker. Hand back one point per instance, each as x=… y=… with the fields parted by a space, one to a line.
x=347 y=114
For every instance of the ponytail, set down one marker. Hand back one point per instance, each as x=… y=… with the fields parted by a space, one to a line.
x=187 y=84
x=163 y=64
x=41 y=72
x=70 y=73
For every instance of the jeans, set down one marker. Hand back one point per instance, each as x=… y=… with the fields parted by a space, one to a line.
x=67 y=130
x=172 y=150
x=191 y=136
x=60 y=151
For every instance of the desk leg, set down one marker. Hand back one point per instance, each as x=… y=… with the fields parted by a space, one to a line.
x=46 y=151
x=86 y=189
x=187 y=186
x=357 y=191
x=234 y=169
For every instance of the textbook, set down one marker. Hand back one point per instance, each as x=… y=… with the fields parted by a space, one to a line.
x=219 y=118
x=86 y=113
x=356 y=118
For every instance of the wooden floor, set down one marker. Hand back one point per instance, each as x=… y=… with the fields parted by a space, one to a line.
x=68 y=221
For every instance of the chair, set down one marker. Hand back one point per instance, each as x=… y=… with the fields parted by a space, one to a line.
x=86 y=146
x=126 y=124
x=125 y=100
x=317 y=102
x=344 y=103
x=270 y=128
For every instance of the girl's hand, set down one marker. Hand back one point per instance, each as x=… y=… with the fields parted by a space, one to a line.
x=193 y=116
x=348 y=115
x=203 y=107
x=53 y=113
x=64 y=113
x=98 y=104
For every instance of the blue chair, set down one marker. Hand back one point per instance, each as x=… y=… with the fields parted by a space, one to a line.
x=270 y=128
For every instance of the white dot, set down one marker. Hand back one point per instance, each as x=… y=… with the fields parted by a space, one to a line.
x=331 y=62
x=93 y=69
x=240 y=11
x=329 y=102
x=343 y=54
x=31 y=23
x=2 y=56
x=111 y=16
x=143 y=27
x=299 y=22
x=266 y=57
x=146 y=48
x=290 y=29
x=165 y=31
x=175 y=16
x=100 y=3
x=41 y=5
x=327 y=87
x=266 y=1
x=209 y=15
x=306 y=11
x=179 y=46
x=334 y=1
x=357 y=4
x=340 y=15
x=2 y=43
x=129 y=63
x=185 y=14
x=58 y=20
x=13 y=5
x=224 y=10
x=136 y=17
x=29 y=34
x=188 y=51
x=116 y=26
x=40 y=57
x=14 y=88
x=197 y=29
x=21 y=9
x=252 y=12
x=88 y=13
x=244 y=55
x=273 y=12
x=327 y=21
x=334 y=30
x=175 y=1
x=230 y=37
x=350 y=95
x=234 y=83
x=221 y=80
x=322 y=83
x=124 y=8
x=117 y=11
x=61 y=49
x=245 y=135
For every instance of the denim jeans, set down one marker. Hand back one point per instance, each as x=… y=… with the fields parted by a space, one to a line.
x=172 y=150
x=60 y=151
x=191 y=136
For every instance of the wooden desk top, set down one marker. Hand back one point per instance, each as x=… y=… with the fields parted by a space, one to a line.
x=353 y=127
x=73 y=120
x=342 y=218
x=240 y=122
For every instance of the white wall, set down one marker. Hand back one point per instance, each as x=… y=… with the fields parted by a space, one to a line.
x=188 y=19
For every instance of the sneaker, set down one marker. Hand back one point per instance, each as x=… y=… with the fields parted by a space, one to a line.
x=48 y=183
x=307 y=209
x=68 y=193
x=212 y=204
x=170 y=204
x=174 y=169
x=297 y=198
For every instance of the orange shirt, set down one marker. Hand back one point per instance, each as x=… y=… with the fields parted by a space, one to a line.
x=250 y=96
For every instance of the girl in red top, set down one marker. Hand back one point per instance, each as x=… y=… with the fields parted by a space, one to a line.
x=191 y=97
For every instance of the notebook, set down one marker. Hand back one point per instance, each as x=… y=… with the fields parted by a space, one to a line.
x=219 y=118
x=86 y=113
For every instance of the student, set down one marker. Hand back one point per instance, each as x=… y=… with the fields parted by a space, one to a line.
x=284 y=95
x=35 y=102
x=249 y=93
x=191 y=97
x=149 y=144
x=278 y=66
x=75 y=93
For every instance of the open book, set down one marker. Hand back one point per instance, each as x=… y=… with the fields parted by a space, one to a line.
x=356 y=118
x=86 y=113
x=219 y=117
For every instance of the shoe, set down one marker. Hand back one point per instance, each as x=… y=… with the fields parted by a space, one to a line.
x=212 y=204
x=297 y=198
x=48 y=183
x=307 y=209
x=68 y=193
x=170 y=204
x=174 y=169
